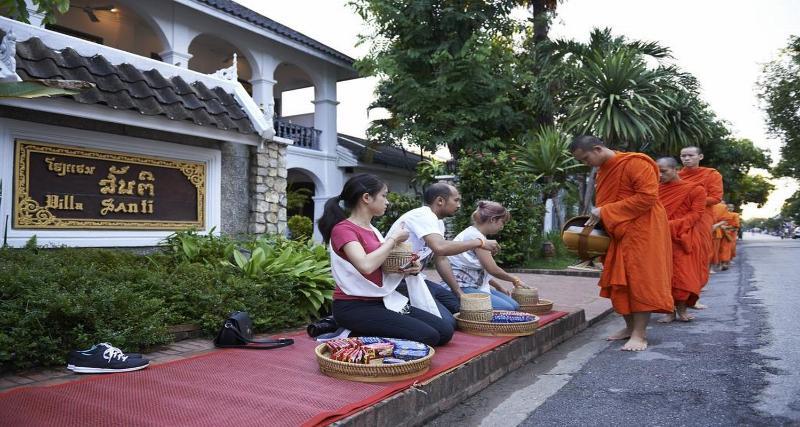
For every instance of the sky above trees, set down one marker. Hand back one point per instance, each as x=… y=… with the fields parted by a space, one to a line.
x=722 y=42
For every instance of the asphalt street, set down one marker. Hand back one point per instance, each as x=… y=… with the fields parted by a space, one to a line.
x=737 y=363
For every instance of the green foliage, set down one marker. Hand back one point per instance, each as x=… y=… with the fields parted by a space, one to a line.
x=780 y=96
x=60 y=299
x=300 y=227
x=190 y=246
x=56 y=300
x=446 y=72
x=734 y=158
x=305 y=264
x=491 y=176
x=791 y=208
x=296 y=199
x=398 y=204
x=17 y=10
x=427 y=171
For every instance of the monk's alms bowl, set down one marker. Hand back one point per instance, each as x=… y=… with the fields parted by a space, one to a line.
x=586 y=242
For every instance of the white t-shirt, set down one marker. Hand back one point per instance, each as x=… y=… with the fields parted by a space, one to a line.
x=467 y=267
x=420 y=222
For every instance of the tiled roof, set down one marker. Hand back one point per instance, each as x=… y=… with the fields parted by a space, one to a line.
x=380 y=154
x=124 y=87
x=235 y=9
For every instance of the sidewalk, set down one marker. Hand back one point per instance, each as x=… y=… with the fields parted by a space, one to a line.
x=576 y=295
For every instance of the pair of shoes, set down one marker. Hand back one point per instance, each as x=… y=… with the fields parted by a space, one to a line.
x=104 y=358
x=339 y=333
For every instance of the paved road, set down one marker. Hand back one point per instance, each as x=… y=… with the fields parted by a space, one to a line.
x=738 y=363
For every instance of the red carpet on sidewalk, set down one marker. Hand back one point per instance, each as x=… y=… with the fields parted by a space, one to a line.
x=227 y=387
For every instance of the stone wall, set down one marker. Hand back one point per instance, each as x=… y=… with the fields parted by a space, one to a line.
x=268 y=189
x=235 y=203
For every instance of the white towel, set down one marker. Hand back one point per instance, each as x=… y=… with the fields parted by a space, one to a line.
x=352 y=282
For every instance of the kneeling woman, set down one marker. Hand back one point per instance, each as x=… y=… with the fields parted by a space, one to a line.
x=475 y=270
x=365 y=300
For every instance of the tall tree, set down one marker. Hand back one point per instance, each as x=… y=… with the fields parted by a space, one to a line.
x=447 y=72
x=18 y=10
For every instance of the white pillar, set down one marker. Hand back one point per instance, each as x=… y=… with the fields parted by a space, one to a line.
x=177 y=53
x=325 y=112
x=263 y=95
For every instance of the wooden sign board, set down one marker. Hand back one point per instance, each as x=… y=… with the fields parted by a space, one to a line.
x=58 y=186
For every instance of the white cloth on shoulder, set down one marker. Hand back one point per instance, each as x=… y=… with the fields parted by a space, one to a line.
x=352 y=282
x=467 y=269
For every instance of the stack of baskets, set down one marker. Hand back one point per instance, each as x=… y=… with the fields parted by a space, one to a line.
x=401 y=255
x=529 y=302
x=476 y=307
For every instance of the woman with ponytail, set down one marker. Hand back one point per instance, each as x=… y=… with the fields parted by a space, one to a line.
x=476 y=270
x=365 y=300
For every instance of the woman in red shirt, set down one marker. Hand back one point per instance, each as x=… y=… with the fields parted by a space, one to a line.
x=361 y=303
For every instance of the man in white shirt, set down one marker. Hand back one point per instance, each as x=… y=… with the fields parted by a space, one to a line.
x=426 y=236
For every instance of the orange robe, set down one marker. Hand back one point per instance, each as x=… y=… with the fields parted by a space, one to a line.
x=720 y=212
x=637 y=269
x=727 y=247
x=711 y=180
x=685 y=204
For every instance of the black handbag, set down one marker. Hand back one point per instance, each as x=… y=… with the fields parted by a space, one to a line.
x=237 y=332
x=322 y=326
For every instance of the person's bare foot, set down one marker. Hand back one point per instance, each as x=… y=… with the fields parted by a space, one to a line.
x=667 y=318
x=622 y=334
x=698 y=306
x=635 y=344
x=685 y=317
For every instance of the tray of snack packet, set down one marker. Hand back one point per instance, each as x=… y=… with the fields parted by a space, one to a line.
x=503 y=323
x=373 y=359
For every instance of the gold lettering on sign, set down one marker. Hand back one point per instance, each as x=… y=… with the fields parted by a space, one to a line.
x=66 y=203
x=142 y=187
x=109 y=185
x=61 y=169
x=111 y=206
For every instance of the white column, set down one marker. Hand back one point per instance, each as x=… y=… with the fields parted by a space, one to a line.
x=325 y=112
x=263 y=95
x=177 y=53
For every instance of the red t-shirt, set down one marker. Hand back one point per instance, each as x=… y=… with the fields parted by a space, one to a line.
x=345 y=232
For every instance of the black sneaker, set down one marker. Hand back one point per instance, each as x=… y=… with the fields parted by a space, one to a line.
x=104 y=358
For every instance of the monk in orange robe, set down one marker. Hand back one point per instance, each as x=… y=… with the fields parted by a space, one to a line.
x=685 y=204
x=637 y=268
x=721 y=215
x=711 y=180
x=727 y=247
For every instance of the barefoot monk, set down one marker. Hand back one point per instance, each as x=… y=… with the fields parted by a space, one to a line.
x=727 y=247
x=685 y=204
x=637 y=268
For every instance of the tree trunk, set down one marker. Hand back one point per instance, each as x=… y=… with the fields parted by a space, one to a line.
x=541 y=20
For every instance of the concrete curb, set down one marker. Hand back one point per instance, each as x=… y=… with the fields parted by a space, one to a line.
x=565 y=272
x=424 y=401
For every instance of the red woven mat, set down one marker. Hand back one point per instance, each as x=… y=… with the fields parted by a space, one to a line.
x=226 y=387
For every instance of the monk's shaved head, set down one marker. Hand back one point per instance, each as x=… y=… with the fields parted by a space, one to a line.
x=696 y=149
x=585 y=143
x=668 y=162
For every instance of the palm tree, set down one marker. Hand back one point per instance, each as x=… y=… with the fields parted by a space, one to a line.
x=545 y=158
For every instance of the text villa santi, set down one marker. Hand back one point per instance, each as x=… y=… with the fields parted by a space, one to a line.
x=113 y=183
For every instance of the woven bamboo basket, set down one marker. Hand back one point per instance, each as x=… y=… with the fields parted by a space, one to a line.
x=399 y=256
x=587 y=242
x=371 y=373
x=490 y=329
x=525 y=296
x=543 y=306
x=477 y=307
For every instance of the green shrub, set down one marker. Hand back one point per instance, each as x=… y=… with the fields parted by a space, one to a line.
x=398 y=204
x=300 y=227
x=56 y=300
x=490 y=176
